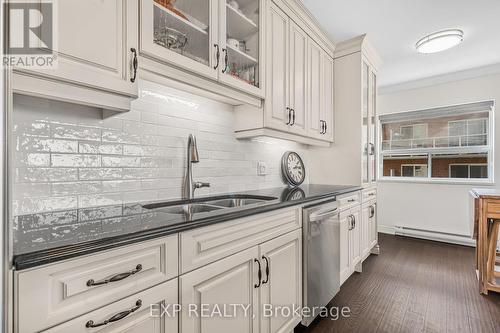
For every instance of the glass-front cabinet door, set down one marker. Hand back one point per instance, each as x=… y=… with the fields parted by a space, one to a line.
x=373 y=127
x=365 y=127
x=240 y=35
x=182 y=33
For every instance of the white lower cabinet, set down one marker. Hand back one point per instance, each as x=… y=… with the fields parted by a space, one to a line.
x=270 y=273
x=369 y=228
x=139 y=313
x=282 y=258
x=350 y=241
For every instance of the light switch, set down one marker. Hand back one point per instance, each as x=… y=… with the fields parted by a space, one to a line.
x=261 y=169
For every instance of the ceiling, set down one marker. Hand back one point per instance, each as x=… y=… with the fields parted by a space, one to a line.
x=394 y=26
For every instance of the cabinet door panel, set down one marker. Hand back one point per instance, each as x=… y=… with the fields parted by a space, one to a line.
x=314 y=93
x=373 y=228
x=373 y=127
x=228 y=281
x=327 y=109
x=365 y=230
x=355 y=240
x=365 y=125
x=345 y=264
x=95 y=52
x=298 y=79
x=240 y=33
x=284 y=285
x=277 y=71
x=181 y=33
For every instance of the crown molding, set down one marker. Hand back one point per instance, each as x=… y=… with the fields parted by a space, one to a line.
x=442 y=79
x=358 y=44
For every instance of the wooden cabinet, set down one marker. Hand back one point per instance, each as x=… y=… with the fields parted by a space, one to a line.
x=214 y=39
x=95 y=56
x=143 y=314
x=282 y=257
x=270 y=273
x=299 y=84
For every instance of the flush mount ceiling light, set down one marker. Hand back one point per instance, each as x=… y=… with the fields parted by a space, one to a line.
x=440 y=41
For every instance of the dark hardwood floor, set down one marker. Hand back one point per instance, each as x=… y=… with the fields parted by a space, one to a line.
x=414 y=286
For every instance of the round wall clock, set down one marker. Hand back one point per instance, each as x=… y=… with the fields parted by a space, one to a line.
x=292 y=168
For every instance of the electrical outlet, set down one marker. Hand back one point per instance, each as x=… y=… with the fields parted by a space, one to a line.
x=261 y=169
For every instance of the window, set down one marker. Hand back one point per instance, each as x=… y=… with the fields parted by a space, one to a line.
x=449 y=143
x=414 y=170
x=468 y=171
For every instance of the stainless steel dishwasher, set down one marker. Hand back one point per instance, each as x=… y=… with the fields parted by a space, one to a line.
x=320 y=255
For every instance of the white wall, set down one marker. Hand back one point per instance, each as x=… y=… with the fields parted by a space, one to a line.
x=437 y=207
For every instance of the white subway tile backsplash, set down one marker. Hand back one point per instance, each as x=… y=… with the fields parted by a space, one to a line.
x=68 y=157
x=75 y=160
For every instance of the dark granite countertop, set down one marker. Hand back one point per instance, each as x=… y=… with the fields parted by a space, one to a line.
x=48 y=237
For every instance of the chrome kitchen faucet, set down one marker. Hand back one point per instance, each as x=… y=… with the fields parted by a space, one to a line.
x=192 y=157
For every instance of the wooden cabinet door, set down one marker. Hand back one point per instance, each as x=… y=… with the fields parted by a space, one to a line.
x=314 y=94
x=365 y=230
x=146 y=315
x=283 y=286
x=184 y=37
x=298 y=79
x=94 y=41
x=327 y=95
x=345 y=264
x=277 y=99
x=355 y=240
x=228 y=281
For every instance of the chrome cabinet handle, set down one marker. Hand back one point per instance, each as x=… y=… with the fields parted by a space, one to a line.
x=322 y=127
x=372 y=148
x=217 y=55
x=267 y=270
x=116 y=317
x=135 y=64
x=293 y=117
x=326 y=126
x=115 y=278
x=351 y=200
x=288 y=115
x=226 y=60
x=349 y=219
x=259 y=274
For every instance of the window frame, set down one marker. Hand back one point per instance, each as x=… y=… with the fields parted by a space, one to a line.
x=487 y=149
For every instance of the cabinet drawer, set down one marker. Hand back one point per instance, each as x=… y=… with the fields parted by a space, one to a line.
x=349 y=200
x=146 y=317
x=59 y=292
x=369 y=194
x=205 y=245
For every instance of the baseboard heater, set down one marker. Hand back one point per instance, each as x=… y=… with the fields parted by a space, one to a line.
x=435 y=236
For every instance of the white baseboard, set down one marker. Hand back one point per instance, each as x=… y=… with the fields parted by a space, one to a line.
x=386 y=229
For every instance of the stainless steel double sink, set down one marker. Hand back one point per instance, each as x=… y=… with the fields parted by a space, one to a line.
x=205 y=205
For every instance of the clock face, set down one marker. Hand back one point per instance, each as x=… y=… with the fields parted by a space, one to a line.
x=293 y=168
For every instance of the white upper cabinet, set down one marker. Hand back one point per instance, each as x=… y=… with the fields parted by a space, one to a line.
x=240 y=34
x=320 y=93
x=299 y=82
x=181 y=33
x=277 y=115
x=298 y=79
x=368 y=133
x=96 y=55
x=213 y=39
